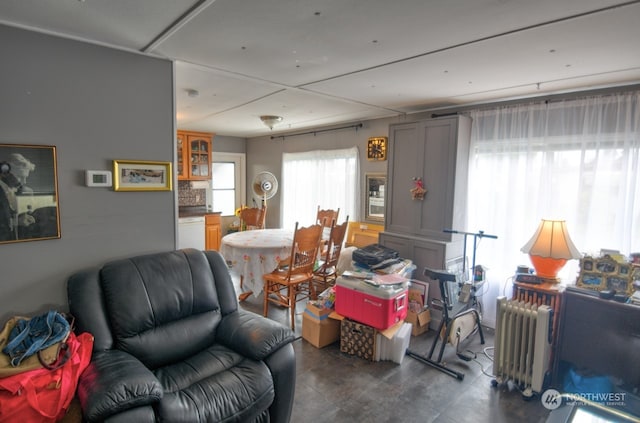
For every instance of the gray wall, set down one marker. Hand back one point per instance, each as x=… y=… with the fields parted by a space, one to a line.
x=265 y=154
x=94 y=104
x=225 y=144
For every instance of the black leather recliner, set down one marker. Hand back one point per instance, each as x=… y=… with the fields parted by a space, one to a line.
x=172 y=345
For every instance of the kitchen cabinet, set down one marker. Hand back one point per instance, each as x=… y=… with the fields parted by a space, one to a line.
x=194 y=155
x=213 y=231
x=436 y=151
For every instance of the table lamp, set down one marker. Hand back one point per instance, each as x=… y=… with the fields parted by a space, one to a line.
x=550 y=248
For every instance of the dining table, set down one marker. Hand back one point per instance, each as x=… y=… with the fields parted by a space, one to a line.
x=251 y=254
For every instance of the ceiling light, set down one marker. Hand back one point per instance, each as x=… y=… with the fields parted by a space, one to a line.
x=270 y=121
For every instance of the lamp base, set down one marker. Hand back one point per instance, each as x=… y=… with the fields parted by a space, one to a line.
x=547 y=268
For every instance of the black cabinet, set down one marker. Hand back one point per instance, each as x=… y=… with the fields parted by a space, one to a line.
x=600 y=335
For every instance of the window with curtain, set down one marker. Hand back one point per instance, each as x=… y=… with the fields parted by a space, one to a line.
x=325 y=178
x=575 y=160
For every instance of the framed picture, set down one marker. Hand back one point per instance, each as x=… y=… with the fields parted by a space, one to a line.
x=620 y=285
x=28 y=193
x=595 y=281
x=586 y=264
x=137 y=175
x=606 y=265
x=624 y=269
x=374 y=204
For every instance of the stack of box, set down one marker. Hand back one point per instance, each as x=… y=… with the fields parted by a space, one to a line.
x=374 y=310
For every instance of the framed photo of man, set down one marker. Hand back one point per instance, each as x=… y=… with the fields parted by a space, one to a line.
x=28 y=193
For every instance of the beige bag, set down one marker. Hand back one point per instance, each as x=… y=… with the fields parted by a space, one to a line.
x=43 y=358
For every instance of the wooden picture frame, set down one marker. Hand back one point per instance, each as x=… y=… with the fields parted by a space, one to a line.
x=375 y=196
x=587 y=264
x=607 y=273
x=142 y=175
x=592 y=280
x=606 y=265
x=619 y=284
x=29 y=209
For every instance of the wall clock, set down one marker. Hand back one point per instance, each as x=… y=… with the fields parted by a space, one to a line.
x=377 y=148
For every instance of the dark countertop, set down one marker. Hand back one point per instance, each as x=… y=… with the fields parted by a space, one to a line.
x=192 y=211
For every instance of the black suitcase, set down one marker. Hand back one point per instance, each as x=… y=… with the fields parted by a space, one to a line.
x=374 y=254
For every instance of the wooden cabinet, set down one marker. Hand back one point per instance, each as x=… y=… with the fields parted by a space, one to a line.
x=213 y=231
x=435 y=151
x=194 y=155
x=361 y=234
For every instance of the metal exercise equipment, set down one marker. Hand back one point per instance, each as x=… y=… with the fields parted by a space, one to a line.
x=460 y=319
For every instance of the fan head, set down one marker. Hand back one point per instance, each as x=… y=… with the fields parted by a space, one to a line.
x=265 y=185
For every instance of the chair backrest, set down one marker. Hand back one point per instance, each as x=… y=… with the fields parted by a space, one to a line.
x=304 y=249
x=252 y=218
x=160 y=307
x=335 y=241
x=327 y=216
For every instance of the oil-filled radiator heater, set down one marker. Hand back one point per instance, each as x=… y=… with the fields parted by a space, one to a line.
x=522 y=346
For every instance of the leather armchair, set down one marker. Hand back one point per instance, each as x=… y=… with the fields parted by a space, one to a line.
x=172 y=345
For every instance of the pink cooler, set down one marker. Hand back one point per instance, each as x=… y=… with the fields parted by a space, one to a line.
x=376 y=306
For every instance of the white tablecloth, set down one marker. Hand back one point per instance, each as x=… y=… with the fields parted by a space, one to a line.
x=251 y=254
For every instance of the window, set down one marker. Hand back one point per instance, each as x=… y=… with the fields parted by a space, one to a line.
x=575 y=160
x=228 y=182
x=325 y=178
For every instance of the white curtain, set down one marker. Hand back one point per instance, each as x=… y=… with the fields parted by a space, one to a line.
x=325 y=178
x=574 y=160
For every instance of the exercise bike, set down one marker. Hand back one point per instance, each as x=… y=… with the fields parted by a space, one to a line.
x=459 y=306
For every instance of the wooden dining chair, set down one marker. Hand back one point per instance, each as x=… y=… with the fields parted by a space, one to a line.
x=252 y=218
x=289 y=284
x=327 y=216
x=325 y=275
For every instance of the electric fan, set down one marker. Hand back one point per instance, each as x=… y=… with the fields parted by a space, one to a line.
x=265 y=185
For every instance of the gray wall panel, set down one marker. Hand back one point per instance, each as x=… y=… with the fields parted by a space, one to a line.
x=95 y=104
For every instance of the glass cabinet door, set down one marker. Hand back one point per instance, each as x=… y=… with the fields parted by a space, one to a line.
x=199 y=155
x=193 y=155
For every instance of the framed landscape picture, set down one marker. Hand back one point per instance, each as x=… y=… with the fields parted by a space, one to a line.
x=29 y=209
x=136 y=175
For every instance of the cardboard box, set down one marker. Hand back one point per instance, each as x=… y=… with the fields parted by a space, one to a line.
x=419 y=321
x=318 y=328
x=316 y=311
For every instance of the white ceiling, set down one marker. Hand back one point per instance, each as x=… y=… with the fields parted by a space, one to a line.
x=318 y=63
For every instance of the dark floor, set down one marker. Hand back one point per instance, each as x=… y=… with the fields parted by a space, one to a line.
x=334 y=387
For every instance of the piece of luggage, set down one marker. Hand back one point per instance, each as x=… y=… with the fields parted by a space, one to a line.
x=374 y=255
